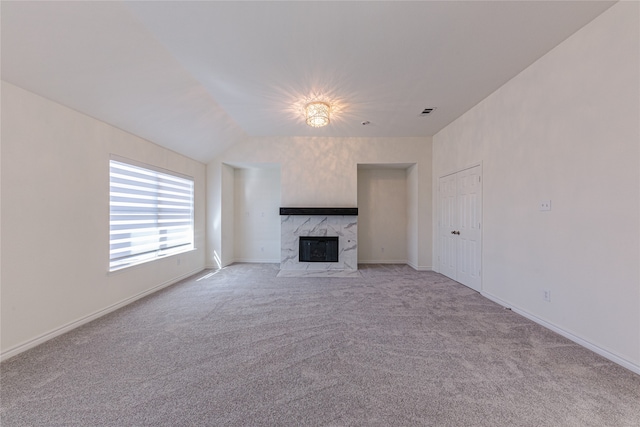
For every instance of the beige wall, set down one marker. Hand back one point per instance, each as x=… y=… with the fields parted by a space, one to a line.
x=416 y=209
x=382 y=219
x=55 y=220
x=321 y=172
x=565 y=129
x=257 y=219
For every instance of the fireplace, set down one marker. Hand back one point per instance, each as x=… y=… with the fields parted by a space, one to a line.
x=318 y=249
x=331 y=234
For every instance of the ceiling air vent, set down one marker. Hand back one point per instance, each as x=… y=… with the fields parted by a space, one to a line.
x=427 y=111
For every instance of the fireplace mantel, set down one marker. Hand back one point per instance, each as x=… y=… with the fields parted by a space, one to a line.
x=319 y=211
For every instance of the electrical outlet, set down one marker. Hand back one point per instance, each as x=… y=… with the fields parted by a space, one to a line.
x=382 y=250
x=545 y=205
x=546 y=295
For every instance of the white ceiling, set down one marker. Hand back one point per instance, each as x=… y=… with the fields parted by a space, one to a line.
x=197 y=76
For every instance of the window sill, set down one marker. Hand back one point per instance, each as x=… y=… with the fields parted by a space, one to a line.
x=149 y=260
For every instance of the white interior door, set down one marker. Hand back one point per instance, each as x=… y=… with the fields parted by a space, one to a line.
x=448 y=223
x=460 y=237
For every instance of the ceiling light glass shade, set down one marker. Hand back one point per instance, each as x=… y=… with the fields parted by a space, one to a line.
x=317 y=114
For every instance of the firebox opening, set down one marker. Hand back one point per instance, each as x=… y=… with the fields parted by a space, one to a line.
x=318 y=249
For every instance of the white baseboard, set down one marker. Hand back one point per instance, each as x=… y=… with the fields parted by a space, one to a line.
x=257 y=260
x=576 y=339
x=386 y=261
x=15 y=350
x=419 y=268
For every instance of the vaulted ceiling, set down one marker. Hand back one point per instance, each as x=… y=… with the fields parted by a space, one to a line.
x=196 y=77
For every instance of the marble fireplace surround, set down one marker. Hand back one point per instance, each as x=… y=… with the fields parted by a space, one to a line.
x=341 y=222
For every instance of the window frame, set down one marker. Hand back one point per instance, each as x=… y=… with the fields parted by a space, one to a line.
x=157 y=181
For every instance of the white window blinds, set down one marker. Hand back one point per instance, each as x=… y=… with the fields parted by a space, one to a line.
x=151 y=214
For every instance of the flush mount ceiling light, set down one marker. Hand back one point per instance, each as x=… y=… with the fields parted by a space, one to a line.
x=317 y=114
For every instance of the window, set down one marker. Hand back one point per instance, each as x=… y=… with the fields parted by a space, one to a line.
x=151 y=214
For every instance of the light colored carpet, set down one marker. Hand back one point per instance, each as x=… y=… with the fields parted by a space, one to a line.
x=242 y=347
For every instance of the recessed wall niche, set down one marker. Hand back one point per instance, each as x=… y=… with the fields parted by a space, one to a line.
x=384 y=203
x=256 y=219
